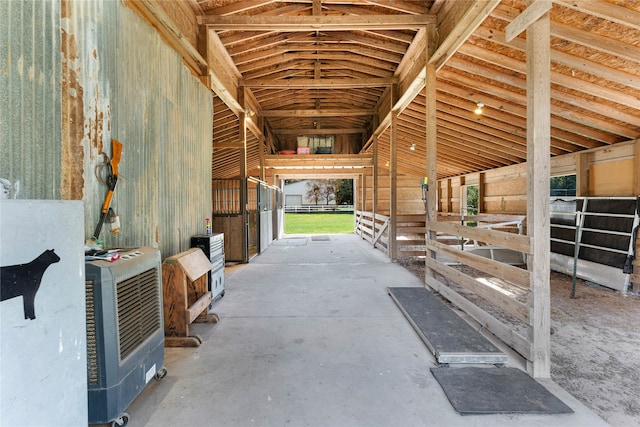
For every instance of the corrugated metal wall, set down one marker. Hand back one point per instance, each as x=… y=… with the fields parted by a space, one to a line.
x=30 y=148
x=113 y=78
x=136 y=90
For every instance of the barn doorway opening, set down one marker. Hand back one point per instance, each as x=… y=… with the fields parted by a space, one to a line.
x=319 y=206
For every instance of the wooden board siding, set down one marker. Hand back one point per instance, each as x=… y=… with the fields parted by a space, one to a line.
x=610 y=172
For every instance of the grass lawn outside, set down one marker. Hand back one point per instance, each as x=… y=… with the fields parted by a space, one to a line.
x=319 y=223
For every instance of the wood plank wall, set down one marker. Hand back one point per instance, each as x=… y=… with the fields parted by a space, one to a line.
x=409 y=195
x=609 y=172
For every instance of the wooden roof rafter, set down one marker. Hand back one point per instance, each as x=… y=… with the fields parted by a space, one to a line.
x=315 y=23
x=594 y=59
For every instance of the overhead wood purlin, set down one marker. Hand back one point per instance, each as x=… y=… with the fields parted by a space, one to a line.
x=595 y=71
x=328 y=66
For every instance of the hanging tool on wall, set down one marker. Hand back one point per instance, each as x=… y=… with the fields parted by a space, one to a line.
x=111 y=180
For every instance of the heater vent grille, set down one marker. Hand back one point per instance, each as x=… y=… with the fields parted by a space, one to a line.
x=92 y=349
x=139 y=311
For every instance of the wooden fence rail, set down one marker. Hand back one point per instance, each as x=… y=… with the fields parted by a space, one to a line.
x=373 y=228
x=503 y=286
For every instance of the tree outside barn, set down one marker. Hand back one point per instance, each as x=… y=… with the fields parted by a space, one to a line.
x=318 y=192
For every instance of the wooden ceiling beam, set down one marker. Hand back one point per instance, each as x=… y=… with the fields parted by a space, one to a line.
x=242 y=37
x=283 y=55
x=327 y=131
x=320 y=160
x=398 y=36
x=301 y=69
x=462 y=159
x=315 y=23
x=609 y=11
x=507 y=121
x=228 y=145
x=281 y=62
x=342 y=73
x=329 y=51
x=586 y=87
x=349 y=99
x=223 y=128
x=469 y=154
x=557 y=95
x=317 y=113
x=455 y=144
x=451 y=133
x=263 y=43
x=520 y=112
x=566 y=59
x=518 y=98
x=225 y=115
x=344 y=9
x=240 y=6
x=412 y=70
x=458 y=20
x=480 y=134
x=365 y=40
x=585 y=38
x=355 y=67
x=413 y=7
x=488 y=118
x=155 y=14
x=317 y=83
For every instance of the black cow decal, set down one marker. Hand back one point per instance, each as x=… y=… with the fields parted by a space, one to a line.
x=24 y=280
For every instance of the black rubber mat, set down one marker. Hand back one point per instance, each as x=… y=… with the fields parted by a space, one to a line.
x=490 y=390
x=449 y=337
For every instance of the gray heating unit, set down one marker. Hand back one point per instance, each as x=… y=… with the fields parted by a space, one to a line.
x=125 y=332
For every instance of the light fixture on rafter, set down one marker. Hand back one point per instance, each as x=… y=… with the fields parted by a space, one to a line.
x=479 y=107
x=413 y=147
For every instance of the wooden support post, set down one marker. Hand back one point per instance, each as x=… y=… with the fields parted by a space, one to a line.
x=448 y=205
x=203 y=47
x=481 y=192
x=538 y=203
x=262 y=146
x=432 y=172
x=636 y=162
x=462 y=195
x=363 y=182
x=582 y=174
x=244 y=196
x=393 y=187
x=374 y=194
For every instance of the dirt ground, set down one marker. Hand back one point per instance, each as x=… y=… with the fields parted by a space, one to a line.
x=595 y=345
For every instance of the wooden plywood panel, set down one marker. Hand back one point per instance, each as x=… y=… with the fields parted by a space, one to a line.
x=509 y=186
x=506 y=205
x=611 y=178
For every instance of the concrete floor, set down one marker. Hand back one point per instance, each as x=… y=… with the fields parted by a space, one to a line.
x=309 y=337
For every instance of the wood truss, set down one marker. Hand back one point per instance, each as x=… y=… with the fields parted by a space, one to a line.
x=314 y=67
